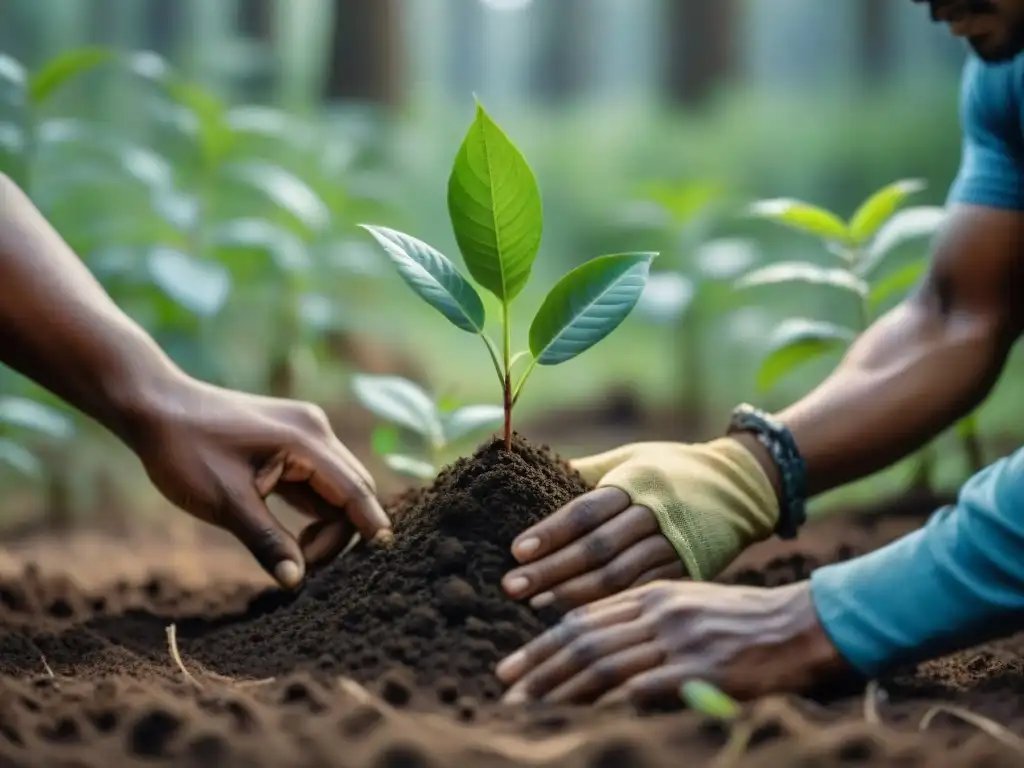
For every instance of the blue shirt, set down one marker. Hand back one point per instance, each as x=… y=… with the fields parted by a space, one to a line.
x=960 y=579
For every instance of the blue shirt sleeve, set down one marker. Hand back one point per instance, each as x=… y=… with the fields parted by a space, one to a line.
x=992 y=158
x=956 y=582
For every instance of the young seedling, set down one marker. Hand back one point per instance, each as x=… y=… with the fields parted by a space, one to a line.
x=406 y=405
x=862 y=246
x=495 y=209
x=710 y=701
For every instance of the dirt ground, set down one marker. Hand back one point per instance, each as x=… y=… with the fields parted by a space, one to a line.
x=385 y=657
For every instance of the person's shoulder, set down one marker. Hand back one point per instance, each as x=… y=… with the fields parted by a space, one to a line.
x=999 y=82
x=992 y=96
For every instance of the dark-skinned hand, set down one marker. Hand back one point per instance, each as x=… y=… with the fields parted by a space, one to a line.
x=596 y=545
x=641 y=645
x=218 y=455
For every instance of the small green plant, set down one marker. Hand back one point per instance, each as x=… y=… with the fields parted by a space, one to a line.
x=710 y=701
x=495 y=208
x=862 y=247
x=437 y=424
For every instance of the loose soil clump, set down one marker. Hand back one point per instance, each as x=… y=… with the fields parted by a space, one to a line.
x=431 y=604
x=386 y=658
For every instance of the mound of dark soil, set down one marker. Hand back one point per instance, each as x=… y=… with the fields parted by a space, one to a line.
x=432 y=603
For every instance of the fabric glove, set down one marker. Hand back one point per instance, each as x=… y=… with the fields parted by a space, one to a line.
x=711 y=500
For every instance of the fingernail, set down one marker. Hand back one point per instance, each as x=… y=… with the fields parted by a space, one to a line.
x=516 y=585
x=514 y=696
x=511 y=667
x=526 y=547
x=288 y=574
x=542 y=600
x=382 y=538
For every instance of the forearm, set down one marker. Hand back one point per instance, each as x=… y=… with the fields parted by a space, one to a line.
x=62 y=330
x=910 y=376
x=960 y=580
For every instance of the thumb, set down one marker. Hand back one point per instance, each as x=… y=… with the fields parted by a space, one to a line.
x=595 y=467
x=245 y=514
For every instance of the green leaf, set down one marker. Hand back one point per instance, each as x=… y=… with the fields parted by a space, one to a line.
x=199 y=285
x=967 y=427
x=287 y=191
x=29 y=414
x=878 y=208
x=586 y=305
x=922 y=221
x=798 y=341
x=253 y=236
x=400 y=402
x=801 y=217
x=495 y=208
x=410 y=466
x=898 y=283
x=803 y=272
x=20 y=459
x=13 y=80
x=384 y=440
x=61 y=69
x=215 y=136
x=683 y=202
x=709 y=700
x=433 y=277
x=471 y=419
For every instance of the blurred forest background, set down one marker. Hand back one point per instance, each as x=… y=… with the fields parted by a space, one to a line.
x=220 y=210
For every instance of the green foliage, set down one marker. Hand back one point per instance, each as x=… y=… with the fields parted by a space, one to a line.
x=862 y=245
x=496 y=213
x=437 y=426
x=707 y=699
x=22 y=421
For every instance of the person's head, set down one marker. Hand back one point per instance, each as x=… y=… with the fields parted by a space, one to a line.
x=993 y=28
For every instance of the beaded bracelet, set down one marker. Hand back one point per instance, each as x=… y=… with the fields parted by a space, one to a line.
x=779 y=442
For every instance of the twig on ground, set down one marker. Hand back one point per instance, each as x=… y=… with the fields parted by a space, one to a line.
x=49 y=672
x=871 y=696
x=238 y=683
x=172 y=645
x=736 y=747
x=991 y=727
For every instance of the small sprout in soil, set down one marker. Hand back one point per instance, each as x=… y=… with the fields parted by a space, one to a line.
x=863 y=245
x=707 y=699
x=403 y=404
x=495 y=208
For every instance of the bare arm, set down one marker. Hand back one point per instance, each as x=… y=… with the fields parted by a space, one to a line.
x=925 y=364
x=61 y=329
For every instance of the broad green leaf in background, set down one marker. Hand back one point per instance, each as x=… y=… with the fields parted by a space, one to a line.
x=878 y=208
x=215 y=137
x=384 y=440
x=909 y=224
x=408 y=465
x=495 y=208
x=804 y=272
x=898 y=283
x=285 y=249
x=802 y=217
x=682 y=202
x=709 y=700
x=200 y=286
x=470 y=419
x=29 y=414
x=287 y=191
x=433 y=277
x=586 y=305
x=400 y=402
x=20 y=459
x=797 y=341
x=13 y=81
x=62 y=68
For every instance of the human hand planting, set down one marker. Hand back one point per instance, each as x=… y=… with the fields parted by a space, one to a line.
x=219 y=454
x=660 y=511
x=640 y=646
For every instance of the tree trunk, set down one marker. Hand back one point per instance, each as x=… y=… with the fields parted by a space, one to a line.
x=365 y=57
x=560 y=73
x=701 y=48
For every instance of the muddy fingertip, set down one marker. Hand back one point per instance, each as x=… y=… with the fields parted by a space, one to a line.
x=384 y=538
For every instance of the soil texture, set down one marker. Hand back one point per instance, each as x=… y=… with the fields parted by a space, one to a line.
x=386 y=658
